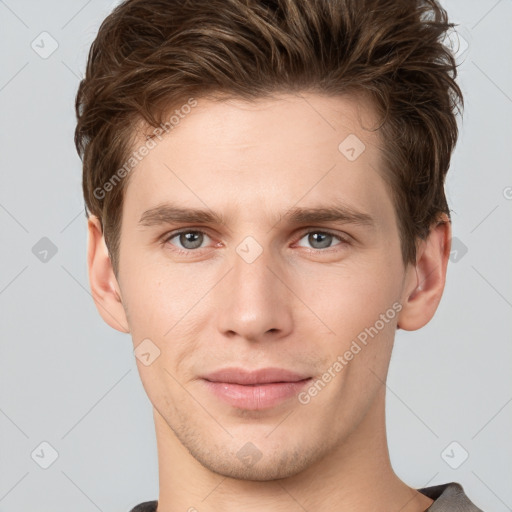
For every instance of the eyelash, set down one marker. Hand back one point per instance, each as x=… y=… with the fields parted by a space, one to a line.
x=189 y=252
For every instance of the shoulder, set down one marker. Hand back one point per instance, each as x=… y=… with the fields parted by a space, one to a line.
x=147 y=506
x=449 y=497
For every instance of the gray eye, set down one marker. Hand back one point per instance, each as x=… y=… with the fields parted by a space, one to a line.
x=319 y=239
x=190 y=239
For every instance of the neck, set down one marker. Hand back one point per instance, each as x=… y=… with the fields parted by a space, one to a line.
x=357 y=476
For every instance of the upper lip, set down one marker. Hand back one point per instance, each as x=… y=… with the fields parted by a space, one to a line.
x=261 y=376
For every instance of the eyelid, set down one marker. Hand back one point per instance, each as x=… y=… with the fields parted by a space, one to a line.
x=344 y=239
x=172 y=234
x=342 y=236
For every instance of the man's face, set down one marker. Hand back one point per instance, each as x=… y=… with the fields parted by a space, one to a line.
x=264 y=288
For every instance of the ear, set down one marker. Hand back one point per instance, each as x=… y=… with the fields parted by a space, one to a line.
x=104 y=286
x=424 y=282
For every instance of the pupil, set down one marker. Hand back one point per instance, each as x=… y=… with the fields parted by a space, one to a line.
x=323 y=243
x=187 y=238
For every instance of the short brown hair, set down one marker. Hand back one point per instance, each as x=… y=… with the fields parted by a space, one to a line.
x=150 y=56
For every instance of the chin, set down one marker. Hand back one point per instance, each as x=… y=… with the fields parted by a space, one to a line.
x=252 y=464
x=259 y=472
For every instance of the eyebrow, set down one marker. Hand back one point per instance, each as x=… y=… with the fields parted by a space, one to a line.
x=168 y=213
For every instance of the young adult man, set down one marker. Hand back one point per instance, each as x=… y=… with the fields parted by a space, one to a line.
x=265 y=190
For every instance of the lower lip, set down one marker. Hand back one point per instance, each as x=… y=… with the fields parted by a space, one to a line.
x=256 y=397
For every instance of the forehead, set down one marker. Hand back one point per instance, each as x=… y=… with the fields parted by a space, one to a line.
x=263 y=157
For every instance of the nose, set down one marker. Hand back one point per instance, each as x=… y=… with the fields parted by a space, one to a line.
x=255 y=299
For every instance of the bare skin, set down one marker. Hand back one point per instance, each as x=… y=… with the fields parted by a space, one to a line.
x=299 y=305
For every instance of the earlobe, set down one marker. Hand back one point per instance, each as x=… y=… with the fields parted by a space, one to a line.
x=425 y=281
x=104 y=286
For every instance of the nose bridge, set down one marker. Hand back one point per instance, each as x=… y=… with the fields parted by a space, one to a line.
x=255 y=301
x=251 y=268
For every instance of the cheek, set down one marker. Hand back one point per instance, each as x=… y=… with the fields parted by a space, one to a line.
x=149 y=302
x=165 y=307
x=351 y=297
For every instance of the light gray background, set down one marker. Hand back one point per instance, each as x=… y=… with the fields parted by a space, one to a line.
x=68 y=379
